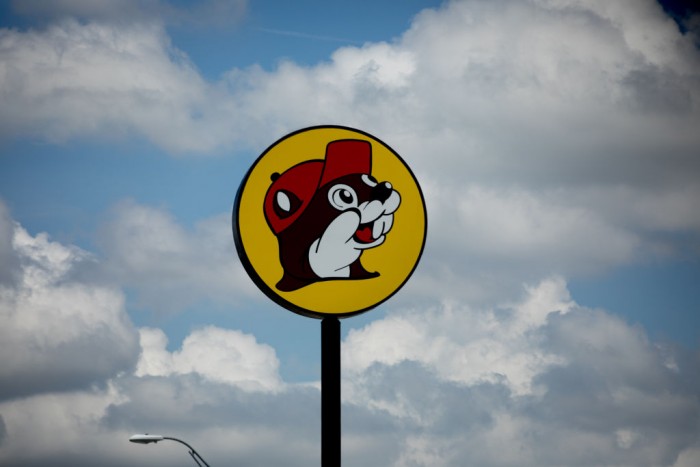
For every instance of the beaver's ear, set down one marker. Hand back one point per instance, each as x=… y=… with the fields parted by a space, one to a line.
x=286 y=203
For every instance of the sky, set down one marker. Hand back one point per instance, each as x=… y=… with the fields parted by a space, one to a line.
x=554 y=318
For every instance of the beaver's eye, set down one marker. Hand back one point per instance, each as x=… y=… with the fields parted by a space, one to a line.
x=342 y=197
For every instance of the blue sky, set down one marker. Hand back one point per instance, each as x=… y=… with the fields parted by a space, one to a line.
x=553 y=319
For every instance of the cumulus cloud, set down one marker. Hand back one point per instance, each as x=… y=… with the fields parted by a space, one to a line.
x=536 y=92
x=216 y=354
x=462 y=344
x=580 y=85
x=74 y=79
x=169 y=265
x=549 y=383
x=220 y=392
x=506 y=236
x=66 y=424
x=57 y=332
x=540 y=382
x=561 y=135
x=222 y=420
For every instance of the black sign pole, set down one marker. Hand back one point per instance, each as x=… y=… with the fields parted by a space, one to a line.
x=330 y=392
x=264 y=210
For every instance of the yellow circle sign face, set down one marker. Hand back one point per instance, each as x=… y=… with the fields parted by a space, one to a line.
x=329 y=221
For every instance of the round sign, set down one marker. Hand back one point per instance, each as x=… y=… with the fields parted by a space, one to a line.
x=329 y=221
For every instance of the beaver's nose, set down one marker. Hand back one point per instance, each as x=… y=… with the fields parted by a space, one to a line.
x=380 y=192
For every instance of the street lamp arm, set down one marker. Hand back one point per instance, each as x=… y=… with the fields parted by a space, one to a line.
x=145 y=439
x=195 y=455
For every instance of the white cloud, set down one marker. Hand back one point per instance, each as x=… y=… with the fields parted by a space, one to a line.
x=57 y=332
x=633 y=19
x=484 y=240
x=689 y=457
x=561 y=136
x=462 y=344
x=218 y=355
x=168 y=265
x=504 y=91
x=555 y=383
x=560 y=81
x=645 y=211
x=545 y=232
x=103 y=79
x=65 y=423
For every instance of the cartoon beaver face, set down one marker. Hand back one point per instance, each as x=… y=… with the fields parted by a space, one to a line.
x=325 y=213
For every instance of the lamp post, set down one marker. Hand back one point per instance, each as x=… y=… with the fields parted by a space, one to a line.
x=146 y=439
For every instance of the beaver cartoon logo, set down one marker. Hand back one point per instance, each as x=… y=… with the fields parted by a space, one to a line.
x=326 y=213
x=329 y=221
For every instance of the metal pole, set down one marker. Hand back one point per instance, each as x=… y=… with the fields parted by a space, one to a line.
x=330 y=392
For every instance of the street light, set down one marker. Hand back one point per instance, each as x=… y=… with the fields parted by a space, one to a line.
x=146 y=438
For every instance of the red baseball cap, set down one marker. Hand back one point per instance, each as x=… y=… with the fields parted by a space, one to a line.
x=291 y=192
